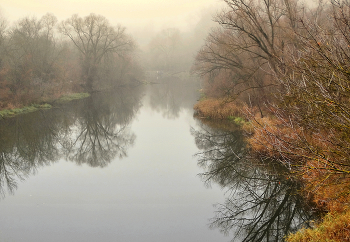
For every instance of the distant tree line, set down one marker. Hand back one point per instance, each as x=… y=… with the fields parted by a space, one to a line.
x=172 y=50
x=41 y=59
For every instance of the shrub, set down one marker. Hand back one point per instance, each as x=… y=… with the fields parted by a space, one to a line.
x=333 y=228
x=217 y=109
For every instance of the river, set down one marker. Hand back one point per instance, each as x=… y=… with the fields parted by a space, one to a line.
x=121 y=166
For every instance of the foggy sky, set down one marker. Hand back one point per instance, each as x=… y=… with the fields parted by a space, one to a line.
x=133 y=14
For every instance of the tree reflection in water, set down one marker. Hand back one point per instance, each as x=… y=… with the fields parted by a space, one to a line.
x=27 y=142
x=92 y=131
x=172 y=94
x=261 y=204
x=101 y=131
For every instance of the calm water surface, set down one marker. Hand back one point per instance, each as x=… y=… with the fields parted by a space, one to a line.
x=121 y=166
x=115 y=167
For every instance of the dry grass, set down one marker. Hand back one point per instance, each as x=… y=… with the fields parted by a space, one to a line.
x=333 y=196
x=334 y=228
x=277 y=138
x=329 y=190
x=269 y=136
x=330 y=194
x=219 y=109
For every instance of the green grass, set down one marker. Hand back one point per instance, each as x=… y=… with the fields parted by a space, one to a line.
x=237 y=120
x=202 y=95
x=73 y=96
x=7 y=113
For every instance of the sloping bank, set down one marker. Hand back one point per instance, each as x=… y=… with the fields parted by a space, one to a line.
x=331 y=194
x=8 y=113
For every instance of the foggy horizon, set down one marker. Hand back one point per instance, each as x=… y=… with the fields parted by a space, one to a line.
x=136 y=15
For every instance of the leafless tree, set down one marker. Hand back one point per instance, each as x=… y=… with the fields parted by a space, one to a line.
x=248 y=47
x=164 y=49
x=95 y=38
x=32 y=54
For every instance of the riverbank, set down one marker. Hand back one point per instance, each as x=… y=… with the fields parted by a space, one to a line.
x=8 y=113
x=219 y=109
x=329 y=191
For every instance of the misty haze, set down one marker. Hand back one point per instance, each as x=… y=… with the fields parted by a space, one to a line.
x=212 y=120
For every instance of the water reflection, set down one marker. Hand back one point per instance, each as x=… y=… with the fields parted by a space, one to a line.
x=261 y=204
x=27 y=142
x=92 y=131
x=172 y=93
x=101 y=130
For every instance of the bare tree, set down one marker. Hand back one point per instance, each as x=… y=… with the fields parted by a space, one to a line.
x=310 y=130
x=164 y=49
x=32 y=54
x=3 y=26
x=95 y=39
x=244 y=54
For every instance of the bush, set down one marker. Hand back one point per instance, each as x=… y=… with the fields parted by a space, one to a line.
x=334 y=228
x=217 y=109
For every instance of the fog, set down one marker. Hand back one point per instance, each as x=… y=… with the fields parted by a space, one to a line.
x=114 y=51
x=45 y=51
x=176 y=29
x=142 y=18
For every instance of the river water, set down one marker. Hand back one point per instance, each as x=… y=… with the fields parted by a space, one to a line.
x=121 y=166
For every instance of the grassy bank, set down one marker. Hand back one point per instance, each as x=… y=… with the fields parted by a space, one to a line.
x=219 y=109
x=330 y=191
x=73 y=96
x=8 y=113
x=335 y=227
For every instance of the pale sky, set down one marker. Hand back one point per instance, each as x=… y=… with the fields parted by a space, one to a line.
x=129 y=13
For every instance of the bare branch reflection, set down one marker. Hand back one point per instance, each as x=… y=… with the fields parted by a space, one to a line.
x=172 y=93
x=27 y=142
x=102 y=132
x=93 y=131
x=261 y=203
